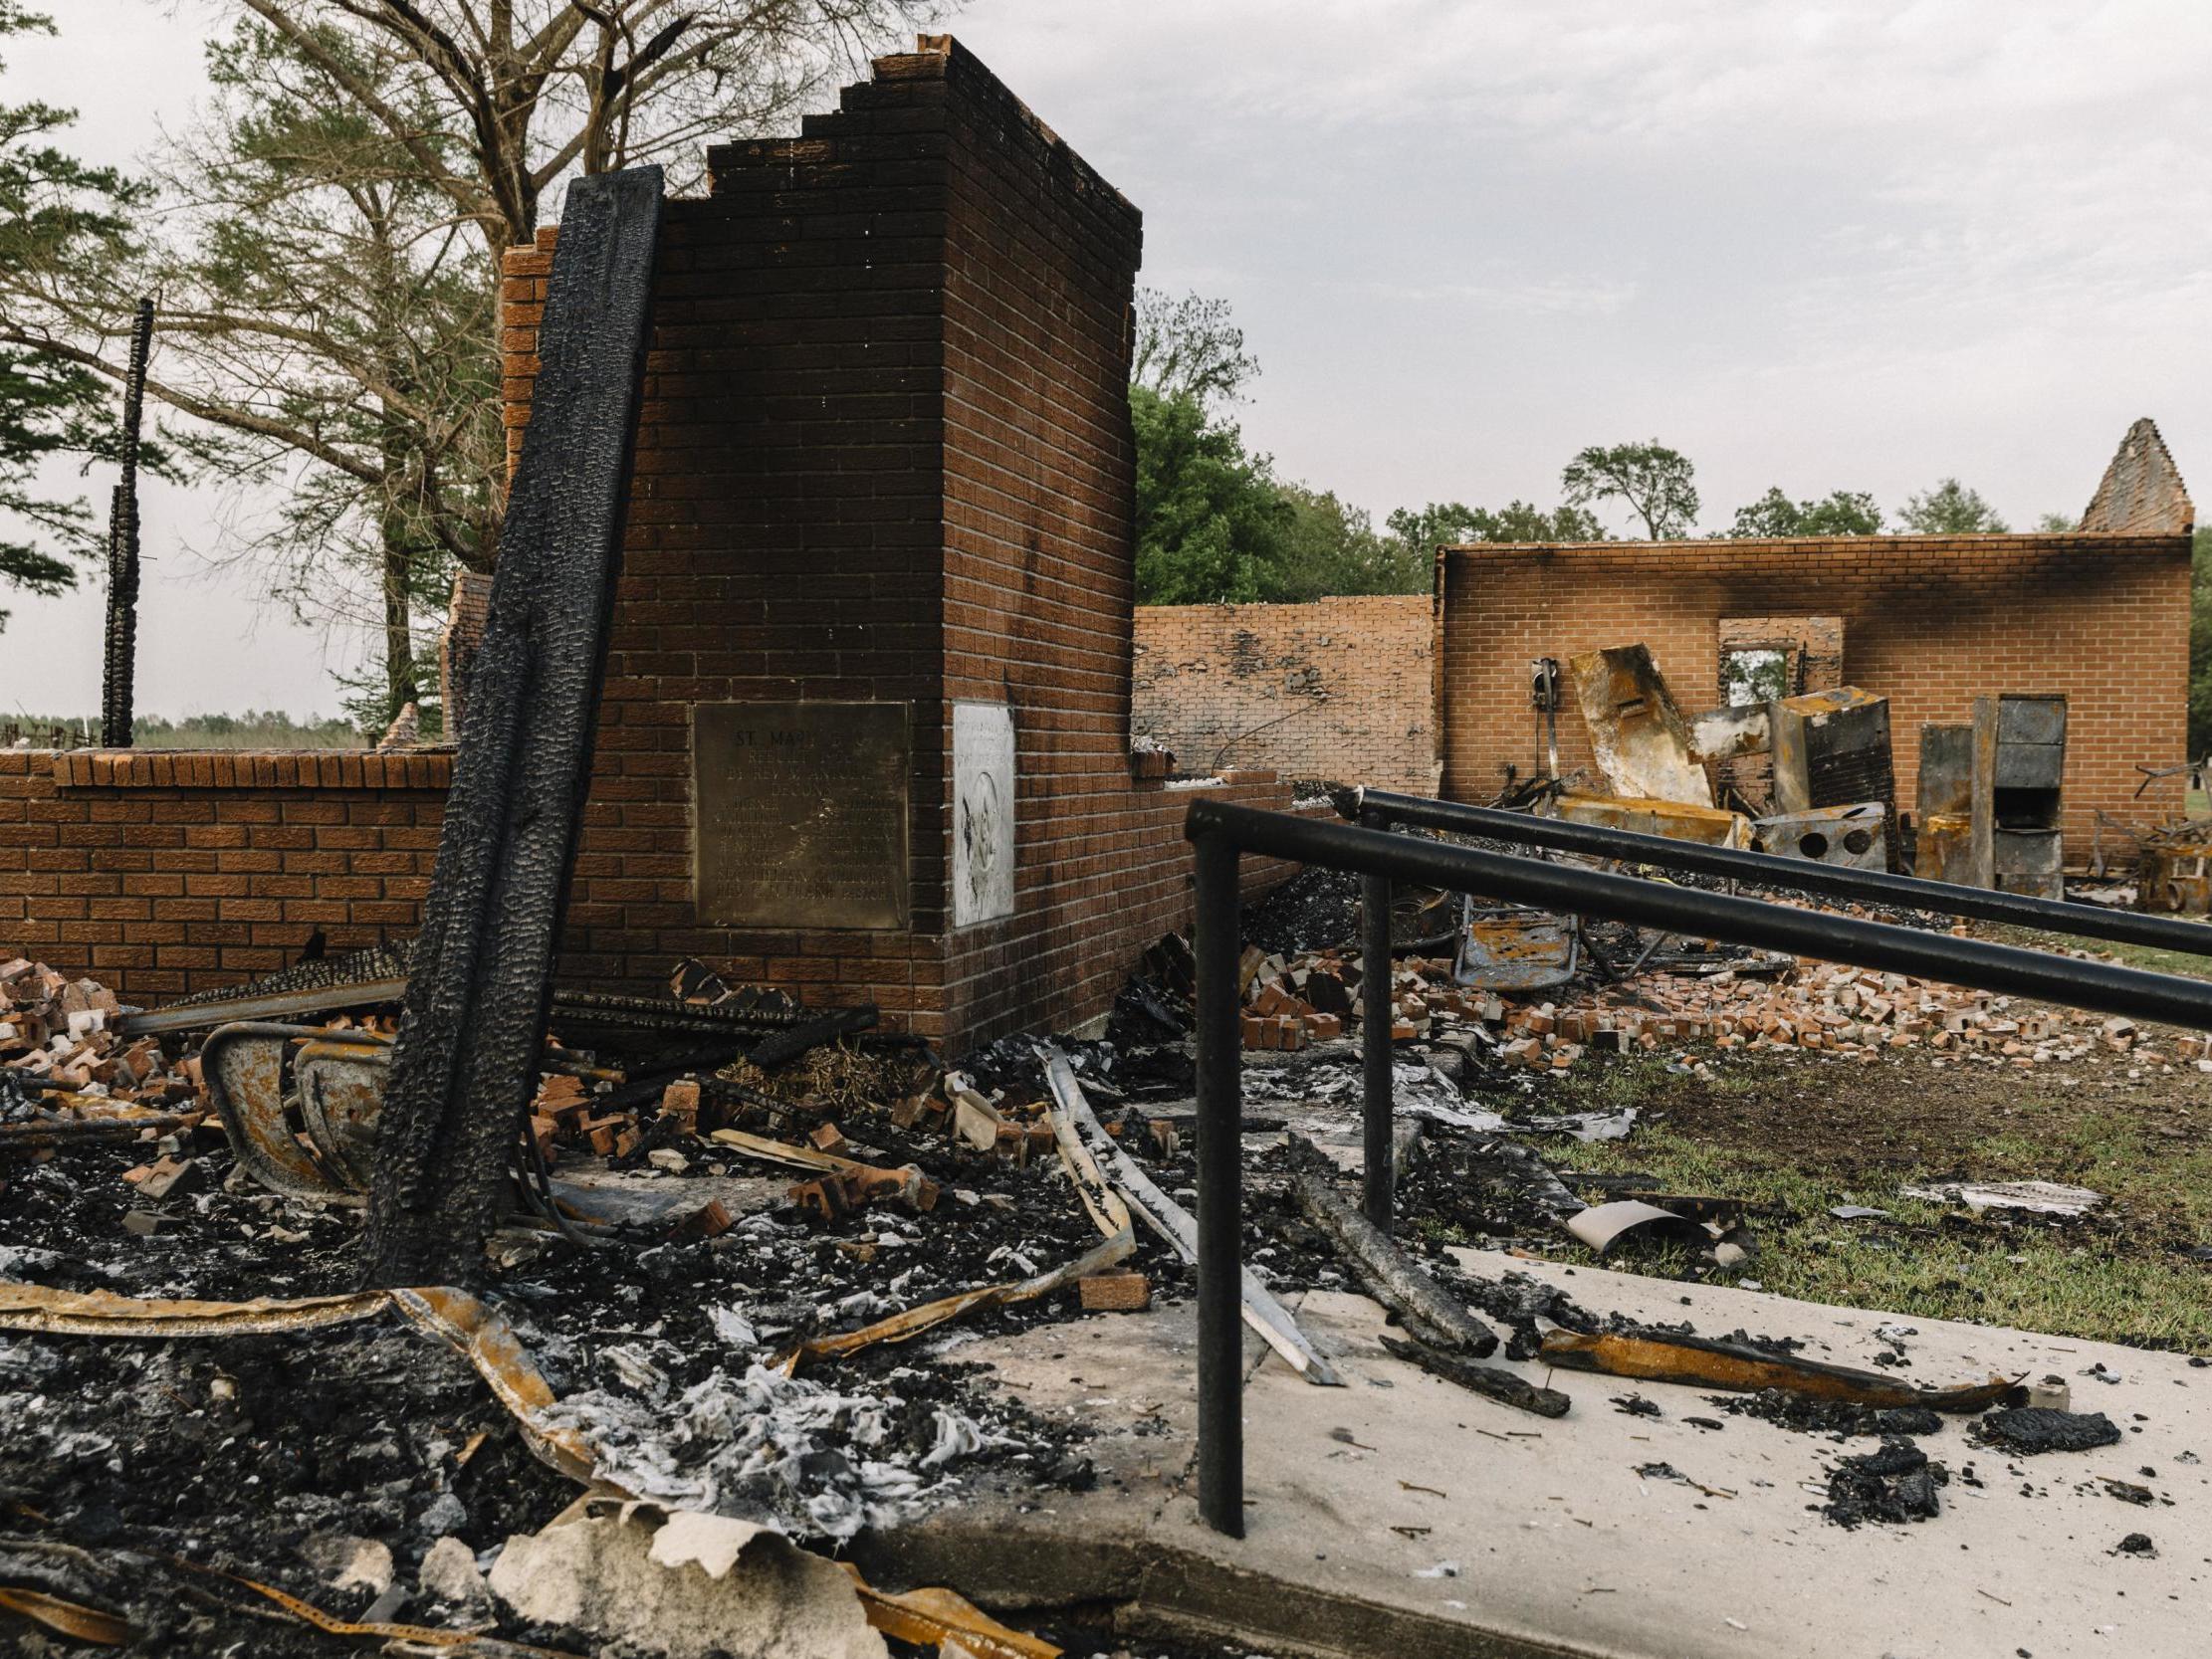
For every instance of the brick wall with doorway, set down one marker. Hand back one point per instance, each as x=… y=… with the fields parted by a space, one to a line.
x=1929 y=622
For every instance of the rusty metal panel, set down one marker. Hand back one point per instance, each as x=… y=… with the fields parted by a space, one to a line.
x=800 y=813
x=1711 y=825
x=1642 y=744
x=1849 y=836
x=2175 y=877
x=1514 y=949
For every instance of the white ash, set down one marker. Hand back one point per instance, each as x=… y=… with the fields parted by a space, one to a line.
x=777 y=1450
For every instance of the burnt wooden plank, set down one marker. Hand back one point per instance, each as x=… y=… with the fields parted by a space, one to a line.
x=466 y=1060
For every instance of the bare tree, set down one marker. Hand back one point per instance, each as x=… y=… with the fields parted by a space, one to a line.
x=538 y=87
x=329 y=241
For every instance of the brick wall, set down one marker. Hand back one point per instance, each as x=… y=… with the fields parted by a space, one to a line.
x=884 y=455
x=1340 y=690
x=167 y=873
x=1929 y=622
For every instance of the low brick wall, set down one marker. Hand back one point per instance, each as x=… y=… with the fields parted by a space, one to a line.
x=1340 y=690
x=162 y=874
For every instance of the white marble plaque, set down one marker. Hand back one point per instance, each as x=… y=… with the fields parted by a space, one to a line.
x=982 y=812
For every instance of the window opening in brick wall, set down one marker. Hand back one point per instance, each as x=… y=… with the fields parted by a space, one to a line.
x=1752 y=674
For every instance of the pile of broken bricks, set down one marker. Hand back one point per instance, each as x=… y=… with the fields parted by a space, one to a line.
x=60 y=1030
x=1813 y=1007
x=1850 y=1013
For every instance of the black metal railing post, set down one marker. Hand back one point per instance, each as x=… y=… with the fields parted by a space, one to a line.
x=1220 y=832
x=1220 y=1126
x=1376 y=1012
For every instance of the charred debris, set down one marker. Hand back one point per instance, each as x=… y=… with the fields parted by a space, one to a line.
x=414 y=1298
x=746 y=1253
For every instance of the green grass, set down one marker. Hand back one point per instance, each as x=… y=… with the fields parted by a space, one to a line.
x=1925 y=1260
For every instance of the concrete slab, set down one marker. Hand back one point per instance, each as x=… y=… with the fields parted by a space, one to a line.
x=1404 y=1515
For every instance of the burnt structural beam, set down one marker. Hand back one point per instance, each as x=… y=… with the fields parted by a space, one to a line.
x=1220 y=833
x=1378 y=1011
x=117 y=694
x=473 y=1024
x=2058 y=916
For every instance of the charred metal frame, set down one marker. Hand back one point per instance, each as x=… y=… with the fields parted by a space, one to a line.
x=1220 y=833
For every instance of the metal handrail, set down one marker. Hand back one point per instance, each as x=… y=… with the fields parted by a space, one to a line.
x=2060 y=916
x=1220 y=833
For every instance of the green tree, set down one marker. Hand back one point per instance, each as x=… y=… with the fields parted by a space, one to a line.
x=1455 y=524
x=1656 y=482
x=55 y=214
x=1188 y=346
x=2058 y=523
x=1950 y=509
x=1330 y=547
x=1210 y=517
x=331 y=241
x=1842 y=513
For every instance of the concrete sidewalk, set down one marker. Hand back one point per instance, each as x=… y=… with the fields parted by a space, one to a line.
x=1451 y=1524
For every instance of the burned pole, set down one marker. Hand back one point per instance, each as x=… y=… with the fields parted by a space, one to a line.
x=115 y=690
x=466 y=1061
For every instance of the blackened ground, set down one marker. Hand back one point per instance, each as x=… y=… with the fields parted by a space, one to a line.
x=235 y=1452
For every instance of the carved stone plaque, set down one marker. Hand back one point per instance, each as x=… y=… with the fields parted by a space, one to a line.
x=799 y=813
x=982 y=812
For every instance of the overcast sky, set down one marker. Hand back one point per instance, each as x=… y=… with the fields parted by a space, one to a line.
x=1854 y=246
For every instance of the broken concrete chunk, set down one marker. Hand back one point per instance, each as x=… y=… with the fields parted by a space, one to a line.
x=350 y=1562
x=683 y=1583
x=449 y=1574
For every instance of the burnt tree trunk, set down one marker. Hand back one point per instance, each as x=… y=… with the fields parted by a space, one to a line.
x=117 y=696
x=465 y=1064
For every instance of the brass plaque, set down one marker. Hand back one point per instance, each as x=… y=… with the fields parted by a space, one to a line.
x=799 y=813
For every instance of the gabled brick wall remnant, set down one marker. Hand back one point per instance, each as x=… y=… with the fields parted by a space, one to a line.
x=1338 y=691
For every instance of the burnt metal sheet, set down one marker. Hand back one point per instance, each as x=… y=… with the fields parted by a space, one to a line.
x=279 y=1005
x=474 y=1024
x=1514 y=949
x=2027 y=717
x=2175 y=877
x=1711 y=825
x=340 y=1082
x=1830 y=748
x=800 y=813
x=1724 y=734
x=1637 y=734
x=244 y=1067
x=1851 y=837
x=2040 y=766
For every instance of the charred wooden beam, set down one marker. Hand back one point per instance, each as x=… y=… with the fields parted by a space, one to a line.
x=117 y=695
x=1391 y=1276
x=1493 y=1381
x=467 y=1057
